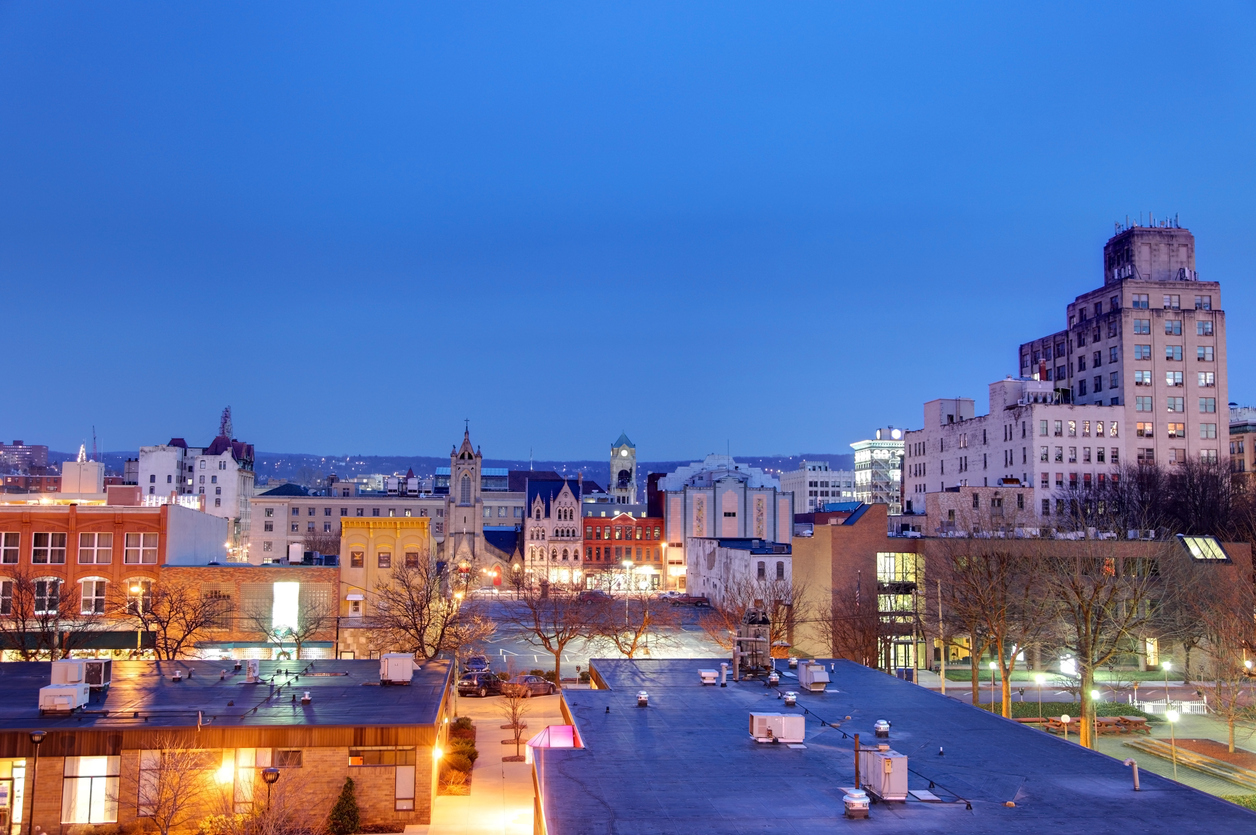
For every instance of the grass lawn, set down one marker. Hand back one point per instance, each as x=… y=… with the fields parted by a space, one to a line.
x=1027 y=709
x=1120 y=676
x=1247 y=801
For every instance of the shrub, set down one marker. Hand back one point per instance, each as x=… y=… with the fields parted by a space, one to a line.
x=344 y=818
x=465 y=747
x=548 y=675
x=456 y=761
x=1247 y=801
x=462 y=723
x=584 y=677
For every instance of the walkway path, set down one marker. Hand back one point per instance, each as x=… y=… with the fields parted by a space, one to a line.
x=500 y=802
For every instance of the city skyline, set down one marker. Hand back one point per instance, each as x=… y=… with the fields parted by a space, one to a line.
x=361 y=227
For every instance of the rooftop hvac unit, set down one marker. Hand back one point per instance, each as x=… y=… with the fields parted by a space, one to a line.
x=396 y=668
x=884 y=772
x=63 y=698
x=99 y=673
x=68 y=671
x=812 y=676
x=777 y=727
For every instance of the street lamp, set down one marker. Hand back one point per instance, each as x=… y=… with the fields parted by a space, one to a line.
x=37 y=737
x=1172 y=716
x=627 y=586
x=1166 y=666
x=1040 y=678
x=1065 y=719
x=270 y=776
x=994 y=665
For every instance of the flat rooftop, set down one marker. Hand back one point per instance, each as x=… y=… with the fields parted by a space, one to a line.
x=687 y=764
x=144 y=694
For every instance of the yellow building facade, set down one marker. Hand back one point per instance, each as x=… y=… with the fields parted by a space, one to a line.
x=371 y=549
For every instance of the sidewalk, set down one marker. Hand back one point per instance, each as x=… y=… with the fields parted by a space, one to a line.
x=500 y=802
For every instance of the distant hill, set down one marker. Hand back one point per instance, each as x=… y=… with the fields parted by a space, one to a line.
x=306 y=468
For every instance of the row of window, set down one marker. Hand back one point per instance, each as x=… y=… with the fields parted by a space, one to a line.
x=622 y=532
x=1203 y=379
x=622 y=553
x=93 y=548
x=1207 y=405
x=269 y=512
x=44 y=596
x=357 y=559
x=1044 y=454
x=1058 y=428
x=1207 y=431
x=535 y=554
x=1172 y=301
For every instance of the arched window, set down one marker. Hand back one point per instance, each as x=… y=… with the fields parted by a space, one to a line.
x=464 y=490
x=553 y=553
x=6 y=596
x=762 y=570
x=575 y=554
x=780 y=570
x=92 y=595
x=565 y=555
x=537 y=514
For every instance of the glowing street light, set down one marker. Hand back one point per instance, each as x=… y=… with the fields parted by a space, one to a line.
x=994 y=665
x=1173 y=716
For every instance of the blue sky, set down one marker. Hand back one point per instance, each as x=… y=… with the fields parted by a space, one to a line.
x=775 y=226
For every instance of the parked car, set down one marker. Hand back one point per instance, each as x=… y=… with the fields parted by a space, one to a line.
x=690 y=600
x=528 y=686
x=668 y=595
x=475 y=664
x=479 y=684
x=592 y=596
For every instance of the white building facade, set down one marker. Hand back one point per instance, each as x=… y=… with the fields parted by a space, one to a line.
x=719 y=566
x=879 y=469
x=1029 y=437
x=718 y=497
x=814 y=484
x=222 y=474
x=553 y=532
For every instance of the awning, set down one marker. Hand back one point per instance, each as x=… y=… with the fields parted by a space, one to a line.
x=555 y=736
x=354 y=596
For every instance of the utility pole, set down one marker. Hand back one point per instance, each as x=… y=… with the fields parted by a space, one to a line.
x=941 y=640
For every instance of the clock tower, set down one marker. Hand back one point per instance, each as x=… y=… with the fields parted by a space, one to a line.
x=623 y=474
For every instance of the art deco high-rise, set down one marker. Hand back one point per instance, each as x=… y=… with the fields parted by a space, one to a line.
x=1151 y=340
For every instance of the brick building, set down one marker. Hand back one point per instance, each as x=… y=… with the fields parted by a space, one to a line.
x=612 y=536
x=88 y=550
x=259 y=603
x=94 y=763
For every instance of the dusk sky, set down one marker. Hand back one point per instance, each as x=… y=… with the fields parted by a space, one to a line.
x=772 y=226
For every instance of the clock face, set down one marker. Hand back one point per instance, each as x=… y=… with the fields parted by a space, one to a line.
x=623 y=453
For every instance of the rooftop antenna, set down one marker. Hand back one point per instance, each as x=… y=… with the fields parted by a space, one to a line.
x=529 y=458
x=224 y=424
x=94 y=443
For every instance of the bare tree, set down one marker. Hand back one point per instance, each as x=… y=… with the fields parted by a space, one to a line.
x=44 y=617
x=514 y=706
x=992 y=587
x=1100 y=600
x=551 y=622
x=173 y=611
x=321 y=543
x=173 y=785
x=851 y=629
x=784 y=602
x=630 y=625
x=413 y=613
x=314 y=616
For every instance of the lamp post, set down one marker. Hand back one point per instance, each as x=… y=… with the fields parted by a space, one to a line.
x=627 y=587
x=37 y=737
x=1172 y=716
x=994 y=665
x=1039 y=678
x=270 y=776
x=136 y=592
x=1165 y=665
x=1064 y=720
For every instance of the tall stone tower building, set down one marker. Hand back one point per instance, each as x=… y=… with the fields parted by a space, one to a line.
x=464 y=507
x=623 y=474
x=1149 y=344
